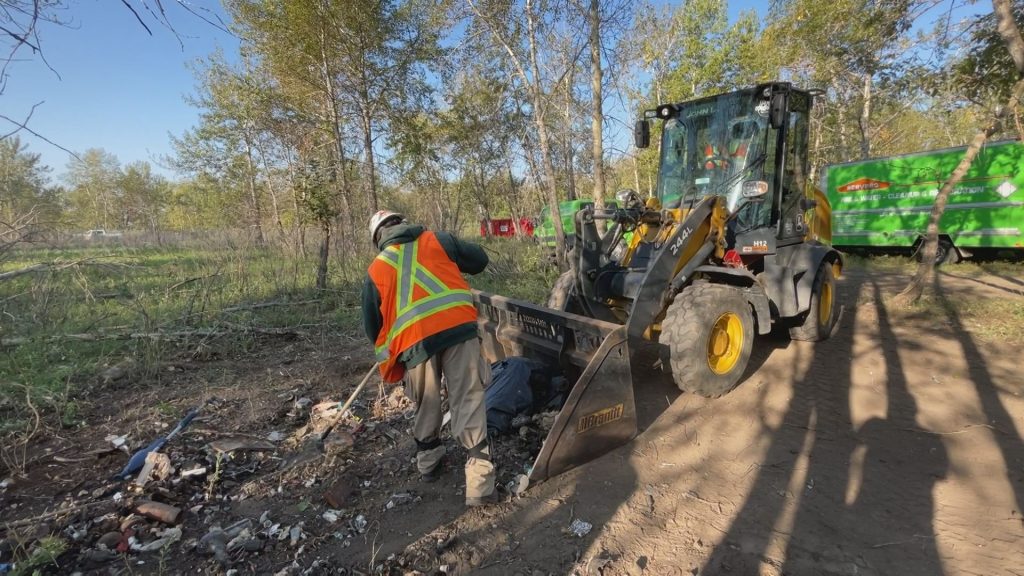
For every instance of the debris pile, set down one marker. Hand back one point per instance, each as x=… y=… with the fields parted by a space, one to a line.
x=289 y=491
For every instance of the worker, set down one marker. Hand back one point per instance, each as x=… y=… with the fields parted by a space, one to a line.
x=740 y=140
x=713 y=158
x=419 y=313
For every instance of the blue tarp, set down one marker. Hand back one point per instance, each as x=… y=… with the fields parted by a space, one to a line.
x=518 y=386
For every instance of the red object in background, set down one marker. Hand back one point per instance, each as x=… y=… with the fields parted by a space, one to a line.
x=505 y=227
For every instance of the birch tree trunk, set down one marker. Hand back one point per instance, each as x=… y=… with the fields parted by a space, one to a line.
x=865 y=119
x=597 y=114
x=925 y=268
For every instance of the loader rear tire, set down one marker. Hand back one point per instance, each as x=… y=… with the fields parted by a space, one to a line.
x=561 y=292
x=819 y=320
x=707 y=336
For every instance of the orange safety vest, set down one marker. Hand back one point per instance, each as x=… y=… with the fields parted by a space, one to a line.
x=422 y=293
x=712 y=159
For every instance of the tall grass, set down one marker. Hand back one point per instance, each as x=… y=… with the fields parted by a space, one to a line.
x=111 y=290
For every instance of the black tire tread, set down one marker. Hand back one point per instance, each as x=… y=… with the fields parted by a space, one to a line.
x=558 y=298
x=686 y=343
x=809 y=330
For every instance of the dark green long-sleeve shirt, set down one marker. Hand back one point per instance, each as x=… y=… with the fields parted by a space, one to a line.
x=469 y=257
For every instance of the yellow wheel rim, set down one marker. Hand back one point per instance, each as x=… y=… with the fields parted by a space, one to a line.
x=825 y=304
x=725 y=343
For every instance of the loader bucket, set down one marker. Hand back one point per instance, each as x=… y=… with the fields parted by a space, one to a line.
x=599 y=413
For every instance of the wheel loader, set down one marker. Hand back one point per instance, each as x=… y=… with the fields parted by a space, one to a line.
x=734 y=241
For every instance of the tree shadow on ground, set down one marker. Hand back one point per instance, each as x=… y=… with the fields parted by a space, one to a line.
x=532 y=533
x=1007 y=289
x=1007 y=433
x=801 y=517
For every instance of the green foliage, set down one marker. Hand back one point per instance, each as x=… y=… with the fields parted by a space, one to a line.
x=986 y=73
x=24 y=185
x=44 y=555
x=121 y=290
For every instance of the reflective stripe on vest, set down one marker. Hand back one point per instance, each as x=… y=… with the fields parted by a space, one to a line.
x=408 y=271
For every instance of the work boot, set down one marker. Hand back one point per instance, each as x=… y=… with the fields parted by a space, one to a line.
x=477 y=501
x=432 y=475
x=429 y=461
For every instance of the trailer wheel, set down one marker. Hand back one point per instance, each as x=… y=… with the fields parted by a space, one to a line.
x=820 y=318
x=946 y=253
x=708 y=334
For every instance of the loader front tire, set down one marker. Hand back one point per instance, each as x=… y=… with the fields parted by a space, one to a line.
x=561 y=292
x=819 y=320
x=707 y=336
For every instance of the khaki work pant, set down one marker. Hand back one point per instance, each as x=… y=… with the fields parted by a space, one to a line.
x=464 y=371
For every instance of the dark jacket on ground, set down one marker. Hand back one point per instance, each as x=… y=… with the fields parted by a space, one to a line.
x=469 y=257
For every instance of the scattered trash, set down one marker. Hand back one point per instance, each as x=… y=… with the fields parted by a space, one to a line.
x=164 y=538
x=227 y=445
x=5 y=483
x=240 y=541
x=519 y=484
x=215 y=541
x=359 y=523
x=139 y=458
x=118 y=441
x=519 y=385
x=160 y=512
x=397 y=499
x=580 y=528
x=276 y=436
x=200 y=471
x=295 y=534
x=156 y=467
x=330 y=516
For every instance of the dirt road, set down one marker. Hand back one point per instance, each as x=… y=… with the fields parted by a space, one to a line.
x=894 y=448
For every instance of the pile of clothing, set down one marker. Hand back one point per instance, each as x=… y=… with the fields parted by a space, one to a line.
x=521 y=386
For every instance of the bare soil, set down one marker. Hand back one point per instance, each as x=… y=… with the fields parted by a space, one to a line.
x=895 y=447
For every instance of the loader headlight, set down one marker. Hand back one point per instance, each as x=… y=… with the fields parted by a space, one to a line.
x=754 y=189
x=666 y=111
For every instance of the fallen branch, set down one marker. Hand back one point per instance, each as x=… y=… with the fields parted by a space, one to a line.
x=177 y=285
x=22 y=271
x=268 y=305
x=176 y=335
x=18 y=340
x=51 y=266
x=8 y=526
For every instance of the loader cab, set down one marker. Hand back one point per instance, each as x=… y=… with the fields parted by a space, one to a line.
x=749 y=147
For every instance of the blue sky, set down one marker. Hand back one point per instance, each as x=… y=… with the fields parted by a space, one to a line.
x=121 y=89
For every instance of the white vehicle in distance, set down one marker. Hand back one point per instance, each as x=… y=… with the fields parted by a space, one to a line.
x=100 y=234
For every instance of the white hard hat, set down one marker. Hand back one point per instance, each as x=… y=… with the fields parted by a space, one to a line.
x=379 y=219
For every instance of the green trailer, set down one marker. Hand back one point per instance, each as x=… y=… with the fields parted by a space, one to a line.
x=883 y=204
x=545 y=231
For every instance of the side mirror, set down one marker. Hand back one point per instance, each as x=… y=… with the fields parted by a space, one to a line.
x=808 y=204
x=779 y=111
x=642 y=134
